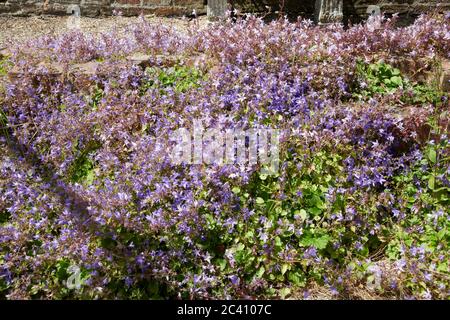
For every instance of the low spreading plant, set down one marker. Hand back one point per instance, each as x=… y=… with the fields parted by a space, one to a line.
x=381 y=78
x=88 y=188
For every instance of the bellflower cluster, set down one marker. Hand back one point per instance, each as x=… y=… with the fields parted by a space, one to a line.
x=87 y=179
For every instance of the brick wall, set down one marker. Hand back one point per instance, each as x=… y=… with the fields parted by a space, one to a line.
x=353 y=9
x=402 y=6
x=408 y=10
x=102 y=7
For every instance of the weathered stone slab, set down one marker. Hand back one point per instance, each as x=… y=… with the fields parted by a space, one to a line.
x=82 y=74
x=88 y=68
x=165 y=60
x=44 y=74
x=51 y=69
x=145 y=60
x=141 y=59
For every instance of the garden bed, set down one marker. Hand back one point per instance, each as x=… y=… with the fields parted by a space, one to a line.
x=358 y=207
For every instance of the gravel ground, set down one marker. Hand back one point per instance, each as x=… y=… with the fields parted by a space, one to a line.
x=19 y=29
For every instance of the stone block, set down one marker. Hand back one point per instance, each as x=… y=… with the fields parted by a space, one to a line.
x=141 y=59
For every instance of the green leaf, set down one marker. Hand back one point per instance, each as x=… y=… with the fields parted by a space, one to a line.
x=431 y=182
x=442 y=267
x=315 y=211
x=318 y=241
x=284 y=267
x=278 y=242
x=303 y=214
x=317 y=201
x=296 y=278
x=285 y=292
x=250 y=234
x=396 y=72
x=90 y=176
x=260 y=272
x=432 y=155
x=259 y=200
x=222 y=264
x=397 y=81
x=441 y=234
x=236 y=190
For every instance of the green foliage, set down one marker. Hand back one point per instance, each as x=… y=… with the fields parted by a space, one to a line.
x=380 y=78
x=318 y=240
x=82 y=168
x=179 y=78
x=62 y=107
x=95 y=99
x=4 y=216
x=5 y=64
x=3 y=124
x=58 y=275
x=437 y=160
x=420 y=94
x=144 y=289
x=293 y=197
x=425 y=190
x=297 y=196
